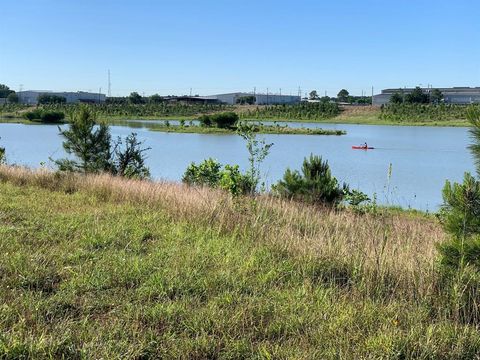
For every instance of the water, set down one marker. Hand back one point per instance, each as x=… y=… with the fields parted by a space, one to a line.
x=422 y=158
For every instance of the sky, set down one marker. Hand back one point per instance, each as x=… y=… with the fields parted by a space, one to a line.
x=217 y=46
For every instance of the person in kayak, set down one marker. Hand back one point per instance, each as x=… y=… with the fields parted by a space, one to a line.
x=365 y=145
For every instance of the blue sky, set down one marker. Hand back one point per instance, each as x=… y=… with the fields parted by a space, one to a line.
x=168 y=47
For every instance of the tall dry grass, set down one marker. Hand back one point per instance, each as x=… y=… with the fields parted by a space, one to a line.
x=384 y=255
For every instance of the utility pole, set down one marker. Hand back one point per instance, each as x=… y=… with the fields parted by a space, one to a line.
x=254 y=91
x=300 y=92
x=372 y=96
x=280 y=91
x=99 y=93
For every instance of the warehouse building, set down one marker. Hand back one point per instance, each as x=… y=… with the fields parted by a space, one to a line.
x=454 y=95
x=260 y=99
x=31 y=96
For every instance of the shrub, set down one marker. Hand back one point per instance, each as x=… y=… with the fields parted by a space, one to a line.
x=51 y=99
x=33 y=115
x=460 y=255
x=314 y=185
x=220 y=120
x=210 y=173
x=45 y=116
x=207 y=173
x=205 y=120
x=52 y=116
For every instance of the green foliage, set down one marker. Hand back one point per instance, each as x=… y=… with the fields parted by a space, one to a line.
x=257 y=149
x=121 y=108
x=436 y=96
x=424 y=112
x=210 y=173
x=4 y=91
x=343 y=95
x=303 y=111
x=246 y=100
x=355 y=198
x=313 y=95
x=135 y=98
x=12 y=98
x=417 y=96
x=461 y=209
x=460 y=255
x=223 y=120
x=44 y=116
x=88 y=141
x=155 y=99
x=94 y=151
x=396 y=98
x=51 y=99
x=473 y=116
x=205 y=174
x=129 y=161
x=315 y=184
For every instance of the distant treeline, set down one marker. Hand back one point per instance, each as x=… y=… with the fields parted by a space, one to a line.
x=302 y=111
x=423 y=112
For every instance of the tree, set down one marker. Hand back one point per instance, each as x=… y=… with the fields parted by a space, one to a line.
x=4 y=91
x=313 y=95
x=155 y=99
x=417 y=96
x=12 y=98
x=315 y=184
x=436 y=96
x=258 y=150
x=91 y=145
x=88 y=141
x=343 y=95
x=248 y=99
x=396 y=98
x=135 y=98
x=51 y=99
x=130 y=161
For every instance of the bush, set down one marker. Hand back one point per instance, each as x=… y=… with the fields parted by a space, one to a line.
x=460 y=212
x=220 y=120
x=210 y=173
x=51 y=99
x=45 y=116
x=314 y=185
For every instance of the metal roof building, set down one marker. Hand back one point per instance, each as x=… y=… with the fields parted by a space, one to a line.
x=31 y=96
x=260 y=99
x=454 y=95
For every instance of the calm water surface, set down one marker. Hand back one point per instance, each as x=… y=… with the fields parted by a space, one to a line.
x=422 y=158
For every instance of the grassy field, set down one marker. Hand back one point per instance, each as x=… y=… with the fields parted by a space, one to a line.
x=99 y=267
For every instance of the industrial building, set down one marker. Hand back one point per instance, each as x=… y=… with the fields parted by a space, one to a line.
x=260 y=99
x=454 y=95
x=31 y=96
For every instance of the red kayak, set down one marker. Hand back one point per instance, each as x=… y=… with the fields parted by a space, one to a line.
x=362 y=148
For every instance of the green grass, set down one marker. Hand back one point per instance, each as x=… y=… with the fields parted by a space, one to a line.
x=88 y=274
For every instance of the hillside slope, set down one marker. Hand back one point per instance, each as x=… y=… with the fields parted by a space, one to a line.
x=99 y=267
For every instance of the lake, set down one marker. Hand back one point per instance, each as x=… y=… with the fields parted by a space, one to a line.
x=422 y=158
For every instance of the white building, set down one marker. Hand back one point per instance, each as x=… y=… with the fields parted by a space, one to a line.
x=31 y=96
x=454 y=95
x=260 y=99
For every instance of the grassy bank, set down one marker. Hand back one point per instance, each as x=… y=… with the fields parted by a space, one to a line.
x=100 y=267
x=195 y=129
